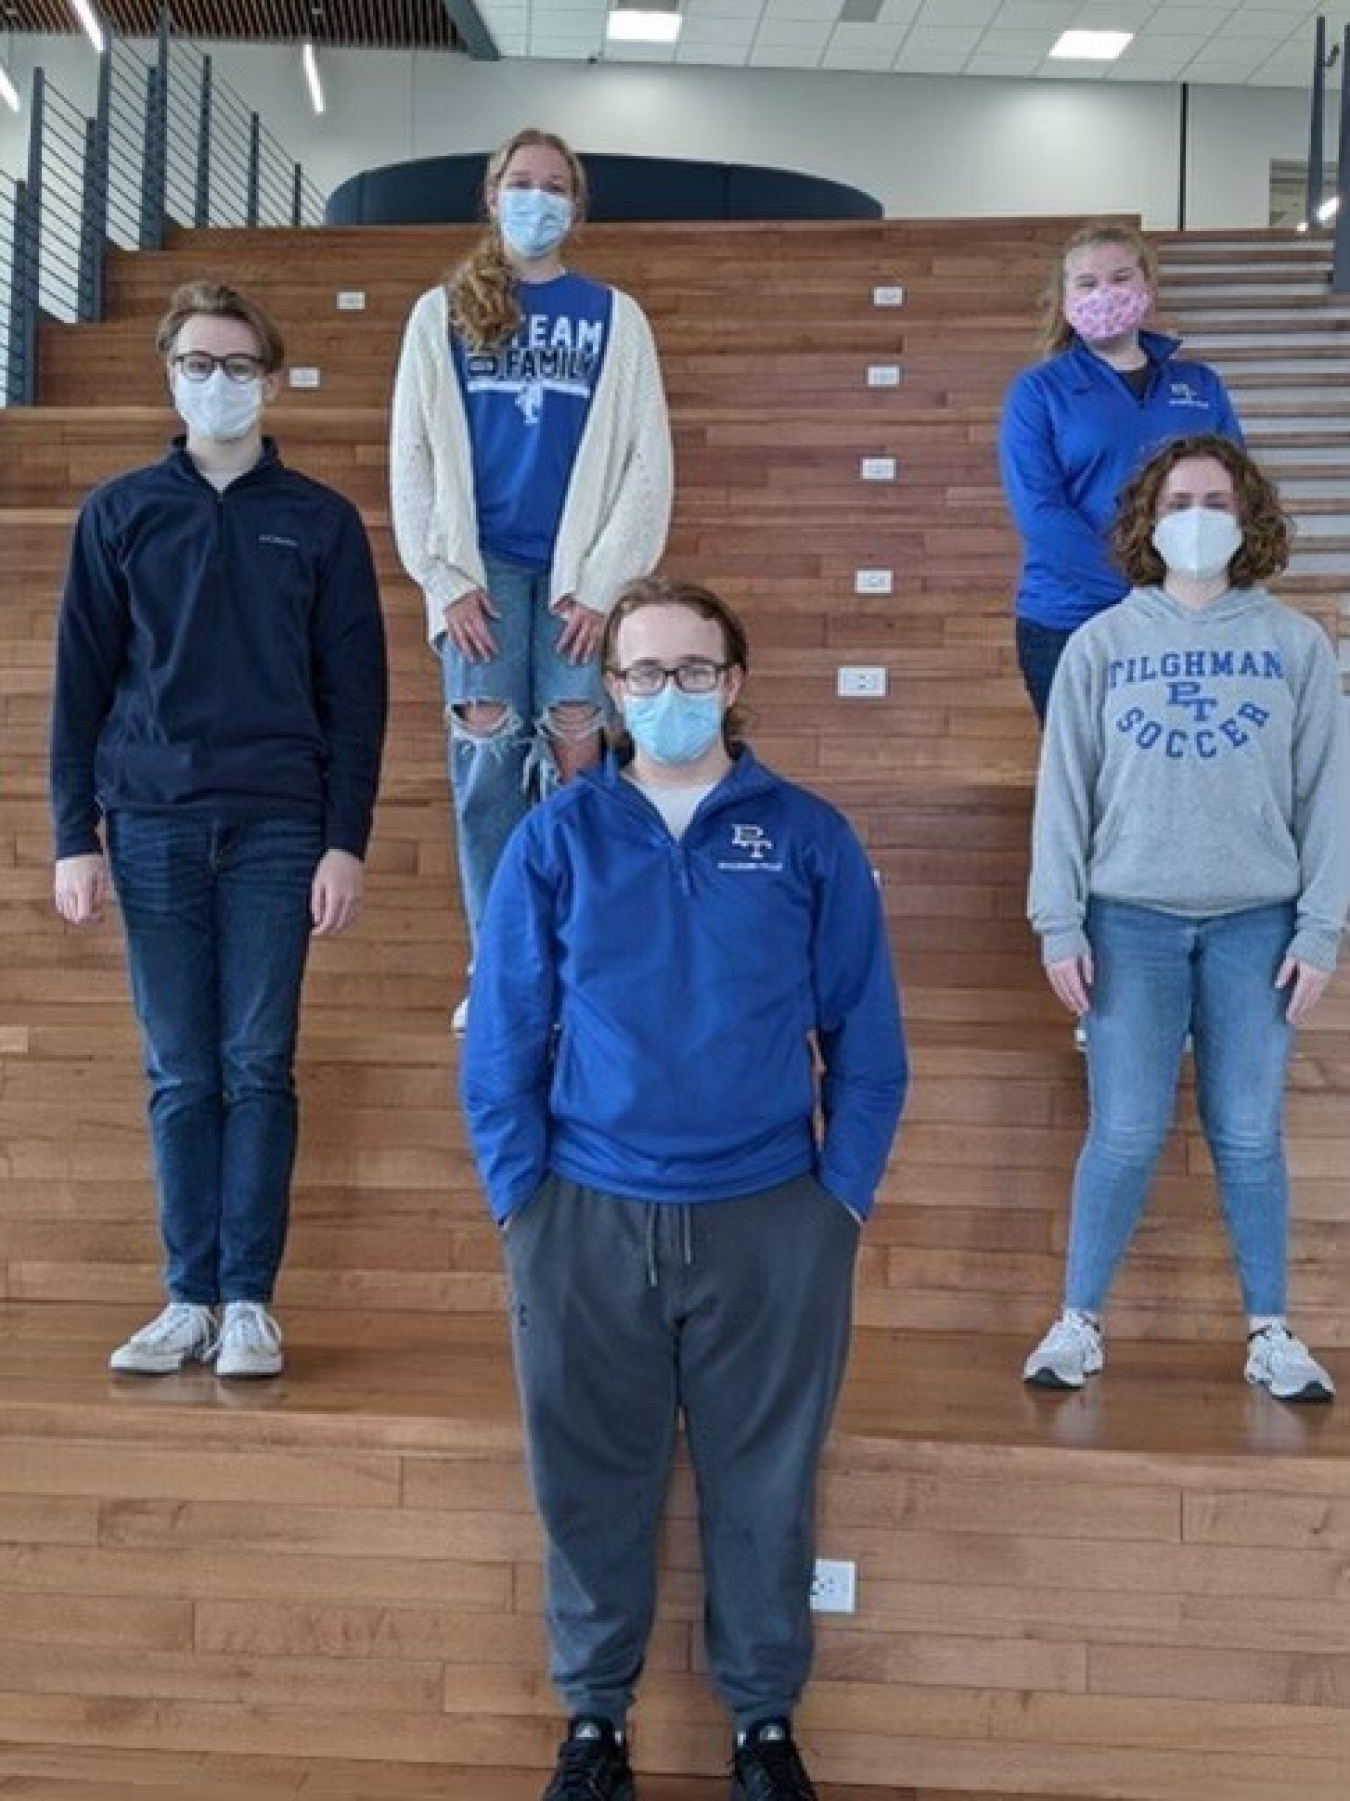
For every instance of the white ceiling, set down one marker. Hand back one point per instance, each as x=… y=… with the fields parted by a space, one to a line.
x=1264 y=43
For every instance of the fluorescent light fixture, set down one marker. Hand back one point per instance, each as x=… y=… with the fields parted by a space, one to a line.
x=85 y=13
x=1091 y=46
x=8 y=92
x=1328 y=209
x=637 y=25
x=310 y=63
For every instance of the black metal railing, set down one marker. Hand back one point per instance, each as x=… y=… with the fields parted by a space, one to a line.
x=170 y=143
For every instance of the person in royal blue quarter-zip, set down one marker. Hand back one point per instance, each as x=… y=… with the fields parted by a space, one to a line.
x=1081 y=424
x=217 y=727
x=683 y=1072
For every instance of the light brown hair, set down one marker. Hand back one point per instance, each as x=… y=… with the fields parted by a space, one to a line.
x=1265 y=525
x=484 y=308
x=216 y=299
x=1056 y=333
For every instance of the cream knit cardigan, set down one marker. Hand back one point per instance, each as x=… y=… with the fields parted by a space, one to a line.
x=617 y=511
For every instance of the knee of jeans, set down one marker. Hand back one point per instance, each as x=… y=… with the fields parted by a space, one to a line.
x=483 y=722
x=1136 y=1142
x=570 y=721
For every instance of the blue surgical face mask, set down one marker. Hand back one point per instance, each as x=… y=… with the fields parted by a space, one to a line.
x=672 y=726
x=532 y=220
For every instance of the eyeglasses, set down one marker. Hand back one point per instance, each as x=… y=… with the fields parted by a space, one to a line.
x=694 y=676
x=200 y=365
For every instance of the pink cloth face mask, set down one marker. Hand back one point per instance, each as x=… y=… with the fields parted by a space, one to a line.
x=1106 y=313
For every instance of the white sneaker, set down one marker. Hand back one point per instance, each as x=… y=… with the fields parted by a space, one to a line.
x=184 y=1333
x=1284 y=1365
x=250 y=1341
x=1071 y=1351
x=459 y=1019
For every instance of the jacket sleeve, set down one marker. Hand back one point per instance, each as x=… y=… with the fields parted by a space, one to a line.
x=1055 y=533
x=508 y=1046
x=1226 y=421
x=418 y=436
x=1062 y=823
x=90 y=647
x=640 y=472
x=1321 y=808
x=860 y=1034
x=351 y=683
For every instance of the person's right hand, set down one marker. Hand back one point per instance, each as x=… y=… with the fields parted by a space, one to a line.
x=467 y=627
x=80 y=888
x=1071 y=979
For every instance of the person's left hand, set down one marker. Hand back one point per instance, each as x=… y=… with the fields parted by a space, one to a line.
x=1306 y=986
x=579 y=639
x=335 y=896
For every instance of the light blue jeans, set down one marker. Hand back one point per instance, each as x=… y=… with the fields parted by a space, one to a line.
x=1158 y=976
x=495 y=778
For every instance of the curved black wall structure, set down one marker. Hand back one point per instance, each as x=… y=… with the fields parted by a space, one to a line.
x=443 y=190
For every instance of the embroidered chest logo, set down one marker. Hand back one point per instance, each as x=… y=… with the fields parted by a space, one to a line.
x=754 y=848
x=1181 y=393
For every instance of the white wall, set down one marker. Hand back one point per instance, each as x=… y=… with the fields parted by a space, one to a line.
x=925 y=146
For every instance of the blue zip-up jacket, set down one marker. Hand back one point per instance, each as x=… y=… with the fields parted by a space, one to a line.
x=219 y=652
x=1073 y=435
x=644 y=1010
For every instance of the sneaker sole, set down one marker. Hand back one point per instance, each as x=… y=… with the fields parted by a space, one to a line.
x=1312 y=1393
x=1048 y=1378
x=250 y=1375
x=129 y=1368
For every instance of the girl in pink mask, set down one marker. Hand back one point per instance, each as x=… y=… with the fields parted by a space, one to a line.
x=1080 y=424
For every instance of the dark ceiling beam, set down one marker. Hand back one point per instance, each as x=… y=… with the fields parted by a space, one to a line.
x=473 y=33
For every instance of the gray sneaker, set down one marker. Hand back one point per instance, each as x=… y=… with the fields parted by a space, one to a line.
x=183 y=1333
x=1071 y=1351
x=250 y=1341
x=1283 y=1364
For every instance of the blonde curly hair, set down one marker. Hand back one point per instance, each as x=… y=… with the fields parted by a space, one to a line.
x=484 y=307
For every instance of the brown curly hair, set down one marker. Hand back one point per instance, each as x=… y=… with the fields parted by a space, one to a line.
x=484 y=308
x=669 y=591
x=1056 y=333
x=1266 y=527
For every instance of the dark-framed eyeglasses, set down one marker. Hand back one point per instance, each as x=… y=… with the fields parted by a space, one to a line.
x=200 y=365
x=695 y=675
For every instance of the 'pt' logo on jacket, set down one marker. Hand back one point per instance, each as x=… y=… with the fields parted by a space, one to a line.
x=755 y=847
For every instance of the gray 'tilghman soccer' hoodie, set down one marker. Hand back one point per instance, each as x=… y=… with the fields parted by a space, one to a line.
x=1195 y=762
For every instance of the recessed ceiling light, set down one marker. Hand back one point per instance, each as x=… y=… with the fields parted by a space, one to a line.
x=1092 y=46
x=636 y=25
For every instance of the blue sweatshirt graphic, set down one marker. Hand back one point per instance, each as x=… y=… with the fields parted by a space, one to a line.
x=1073 y=435
x=683 y=980
x=221 y=652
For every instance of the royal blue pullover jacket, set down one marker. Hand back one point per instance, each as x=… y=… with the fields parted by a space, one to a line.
x=218 y=652
x=1073 y=435
x=643 y=1011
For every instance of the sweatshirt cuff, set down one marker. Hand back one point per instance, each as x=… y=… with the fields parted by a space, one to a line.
x=1059 y=945
x=1316 y=945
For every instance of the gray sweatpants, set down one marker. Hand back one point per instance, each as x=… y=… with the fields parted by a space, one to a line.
x=735 y=1315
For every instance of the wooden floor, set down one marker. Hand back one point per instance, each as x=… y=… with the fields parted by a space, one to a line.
x=39 y=1773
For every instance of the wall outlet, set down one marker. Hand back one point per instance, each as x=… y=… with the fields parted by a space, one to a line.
x=855 y=682
x=888 y=296
x=304 y=376
x=877 y=469
x=883 y=375
x=834 y=1587
x=872 y=581
x=351 y=300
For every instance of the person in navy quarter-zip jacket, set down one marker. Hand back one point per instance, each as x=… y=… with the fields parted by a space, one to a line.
x=1080 y=425
x=218 y=719
x=683 y=1071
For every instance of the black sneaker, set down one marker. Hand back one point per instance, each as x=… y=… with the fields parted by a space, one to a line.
x=766 y=1766
x=592 y=1765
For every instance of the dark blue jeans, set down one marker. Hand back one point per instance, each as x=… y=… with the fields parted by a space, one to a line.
x=217 y=928
x=1039 y=648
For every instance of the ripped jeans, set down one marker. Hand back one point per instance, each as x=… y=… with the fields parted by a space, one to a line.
x=496 y=777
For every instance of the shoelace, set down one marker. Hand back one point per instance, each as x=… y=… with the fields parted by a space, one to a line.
x=778 y=1757
x=581 y=1764
x=255 y=1326
x=174 y=1320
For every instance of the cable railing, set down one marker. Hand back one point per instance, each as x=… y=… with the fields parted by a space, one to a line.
x=170 y=143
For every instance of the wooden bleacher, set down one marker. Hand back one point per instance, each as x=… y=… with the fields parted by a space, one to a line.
x=329 y=1585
